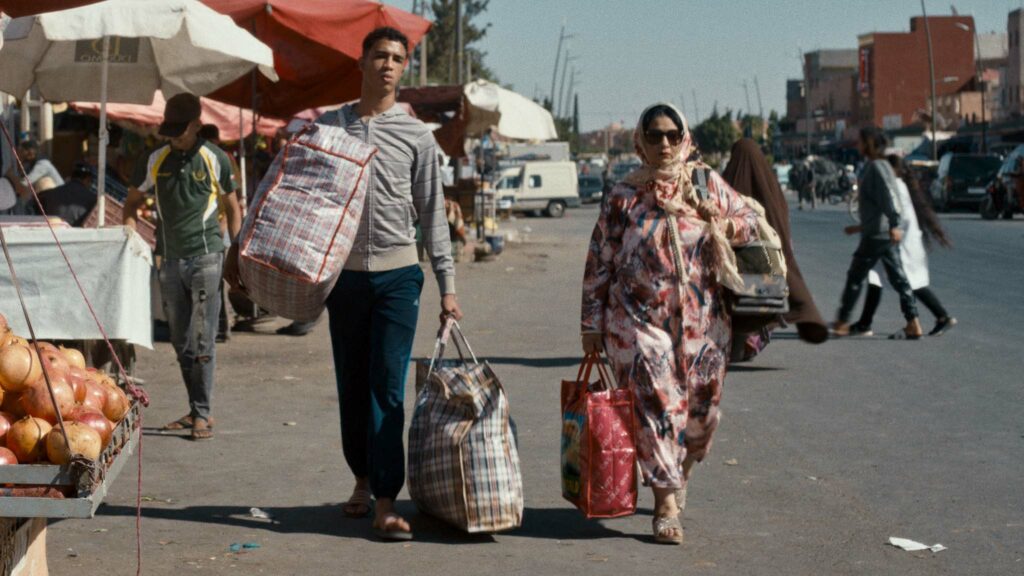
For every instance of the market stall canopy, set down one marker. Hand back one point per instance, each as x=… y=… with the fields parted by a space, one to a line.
x=442 y=106
x=316 y=44
x=18 y=8
x=172 y=45
x=510 y=114
x=223 y=116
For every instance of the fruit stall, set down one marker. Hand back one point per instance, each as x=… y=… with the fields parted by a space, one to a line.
x=67 y=427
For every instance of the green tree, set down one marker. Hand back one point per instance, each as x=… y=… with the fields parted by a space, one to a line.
x=716 y=134
x=441 y=48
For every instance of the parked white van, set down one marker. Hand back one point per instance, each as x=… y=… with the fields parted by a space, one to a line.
x=548 y=186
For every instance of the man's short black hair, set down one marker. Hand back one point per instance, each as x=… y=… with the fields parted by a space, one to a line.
x=385 y=33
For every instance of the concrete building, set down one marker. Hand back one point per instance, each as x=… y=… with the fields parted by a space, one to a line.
x=893 y=82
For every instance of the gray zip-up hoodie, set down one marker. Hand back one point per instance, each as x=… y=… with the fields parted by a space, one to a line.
x=404 y=188
x=879 y=210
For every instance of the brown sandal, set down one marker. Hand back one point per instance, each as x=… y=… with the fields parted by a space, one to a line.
x=359 y=504
x=183 y=423
x=202 y=429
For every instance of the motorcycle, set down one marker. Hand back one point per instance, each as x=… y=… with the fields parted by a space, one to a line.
x=1003 y=197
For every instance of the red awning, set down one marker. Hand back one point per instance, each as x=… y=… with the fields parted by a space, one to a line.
x=17 y=8
x=316 y=46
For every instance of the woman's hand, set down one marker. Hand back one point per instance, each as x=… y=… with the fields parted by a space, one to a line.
x=593 y=343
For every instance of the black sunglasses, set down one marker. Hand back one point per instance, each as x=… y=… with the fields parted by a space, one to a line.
x=653 y=137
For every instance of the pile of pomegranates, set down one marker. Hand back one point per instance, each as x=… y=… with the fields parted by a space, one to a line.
x=90 y=402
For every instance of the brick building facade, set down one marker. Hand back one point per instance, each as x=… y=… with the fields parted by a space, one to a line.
x=893 y=83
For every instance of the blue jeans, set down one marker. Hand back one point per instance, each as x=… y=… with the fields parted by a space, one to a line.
x=373 y=321
x=190 y=288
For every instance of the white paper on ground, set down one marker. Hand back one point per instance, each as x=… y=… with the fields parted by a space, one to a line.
x=912 y=546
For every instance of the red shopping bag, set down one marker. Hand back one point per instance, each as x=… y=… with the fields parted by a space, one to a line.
x=598 y=444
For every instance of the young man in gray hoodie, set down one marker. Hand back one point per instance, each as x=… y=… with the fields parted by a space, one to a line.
x=880 y=236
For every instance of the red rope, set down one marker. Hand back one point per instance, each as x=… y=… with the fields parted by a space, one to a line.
x=137 y=393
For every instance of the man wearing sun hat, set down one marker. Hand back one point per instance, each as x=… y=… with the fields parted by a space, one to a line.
x=189 y=178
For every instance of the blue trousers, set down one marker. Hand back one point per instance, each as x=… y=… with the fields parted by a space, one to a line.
x=373 y=322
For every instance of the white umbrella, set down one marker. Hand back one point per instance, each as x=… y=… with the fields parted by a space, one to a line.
x=513 y=115
x=125 y=50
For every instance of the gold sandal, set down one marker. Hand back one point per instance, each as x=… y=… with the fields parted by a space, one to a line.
x=664 y=526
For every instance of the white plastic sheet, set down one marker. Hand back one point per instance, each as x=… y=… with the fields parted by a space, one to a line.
x=113 y=266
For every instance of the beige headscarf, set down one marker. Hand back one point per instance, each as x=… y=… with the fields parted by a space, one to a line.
x=674 y=192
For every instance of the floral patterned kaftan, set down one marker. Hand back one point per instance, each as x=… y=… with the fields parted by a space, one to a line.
x=668 y=338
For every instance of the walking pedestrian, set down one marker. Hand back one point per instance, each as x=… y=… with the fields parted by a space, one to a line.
x=190 y=179
x=374 y=307
x=880 y=236
x=750 y=174
x=920 y=227
x=655 y=305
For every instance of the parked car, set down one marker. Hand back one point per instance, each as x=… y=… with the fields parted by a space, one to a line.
x=1002 y=197
x=591 y=188
x=548 y=186
x=962 y=179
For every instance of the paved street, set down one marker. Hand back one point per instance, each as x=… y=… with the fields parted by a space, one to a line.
x=824 y=452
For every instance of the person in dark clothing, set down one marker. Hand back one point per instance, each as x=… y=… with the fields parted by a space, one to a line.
x=921 y=229
x=880 y=236
x=750 y=174
x=73 y=200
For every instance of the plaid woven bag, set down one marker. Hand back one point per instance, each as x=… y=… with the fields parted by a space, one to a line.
x=463 y=458
x=303 y=220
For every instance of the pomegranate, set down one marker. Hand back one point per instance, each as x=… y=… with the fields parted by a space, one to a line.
x=7 y=457
x=6 y=419
x=4 y=326
x=52 y=360
x=74 y=357
x=19 y=367
x=78 y=377
x=6 y=337
x=12 y=405
x=95 y=420
x=37 y=402
x=95 y=396
x=117 y=404
x=82 y=438
x=27 y=439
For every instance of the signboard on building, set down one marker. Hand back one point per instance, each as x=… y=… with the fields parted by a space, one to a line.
x=892 y=121
x=863 y=70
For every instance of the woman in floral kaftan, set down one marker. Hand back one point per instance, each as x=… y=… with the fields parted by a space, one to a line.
x=660 y=314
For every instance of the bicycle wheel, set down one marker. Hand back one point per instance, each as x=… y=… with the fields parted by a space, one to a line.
x=853 y=206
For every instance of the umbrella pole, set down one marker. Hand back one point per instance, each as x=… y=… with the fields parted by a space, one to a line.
x=101 y=186
x=241 y=158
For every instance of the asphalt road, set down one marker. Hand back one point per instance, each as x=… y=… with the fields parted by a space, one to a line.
x=824 y=451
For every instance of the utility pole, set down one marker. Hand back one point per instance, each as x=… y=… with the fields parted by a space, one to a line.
x=931 y=75
x=696 y=110
x=746 y=92
x=760 y=105
x=682 y=103
x=458 y=44
x=423 y=48
x=562 y=37
x=807 y=99
x=561 y=88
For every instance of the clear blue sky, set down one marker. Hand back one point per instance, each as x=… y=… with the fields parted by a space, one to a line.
x=634 y=52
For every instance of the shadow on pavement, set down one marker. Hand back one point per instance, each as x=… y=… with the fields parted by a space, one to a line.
x=327 y=519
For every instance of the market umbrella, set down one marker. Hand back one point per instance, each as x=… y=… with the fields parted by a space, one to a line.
x=125 y=50
x=511 y=114
x=316 y=44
